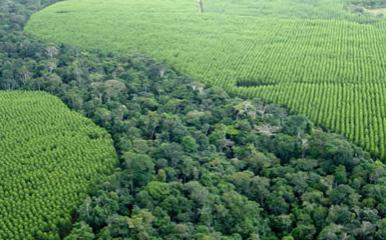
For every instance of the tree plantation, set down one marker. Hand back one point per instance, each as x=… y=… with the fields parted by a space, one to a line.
x=319 y=58
x=49 y=157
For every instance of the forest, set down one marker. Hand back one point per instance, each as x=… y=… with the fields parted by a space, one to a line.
x=195 y=162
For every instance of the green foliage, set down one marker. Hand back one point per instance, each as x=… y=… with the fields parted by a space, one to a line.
x=141 y=167
x=196 y=163
x=48 y=164
x=205 y=169
x=158 y=190
x=217 y=191
x=81 y=231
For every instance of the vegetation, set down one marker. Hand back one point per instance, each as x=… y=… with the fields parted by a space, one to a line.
x=196 y=163
x=315 y=57
x=49 y=158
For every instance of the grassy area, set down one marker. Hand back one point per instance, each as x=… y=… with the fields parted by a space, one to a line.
x=312 y=56
x=49 y=159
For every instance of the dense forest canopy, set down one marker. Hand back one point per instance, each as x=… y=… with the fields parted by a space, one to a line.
x=195 y=162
